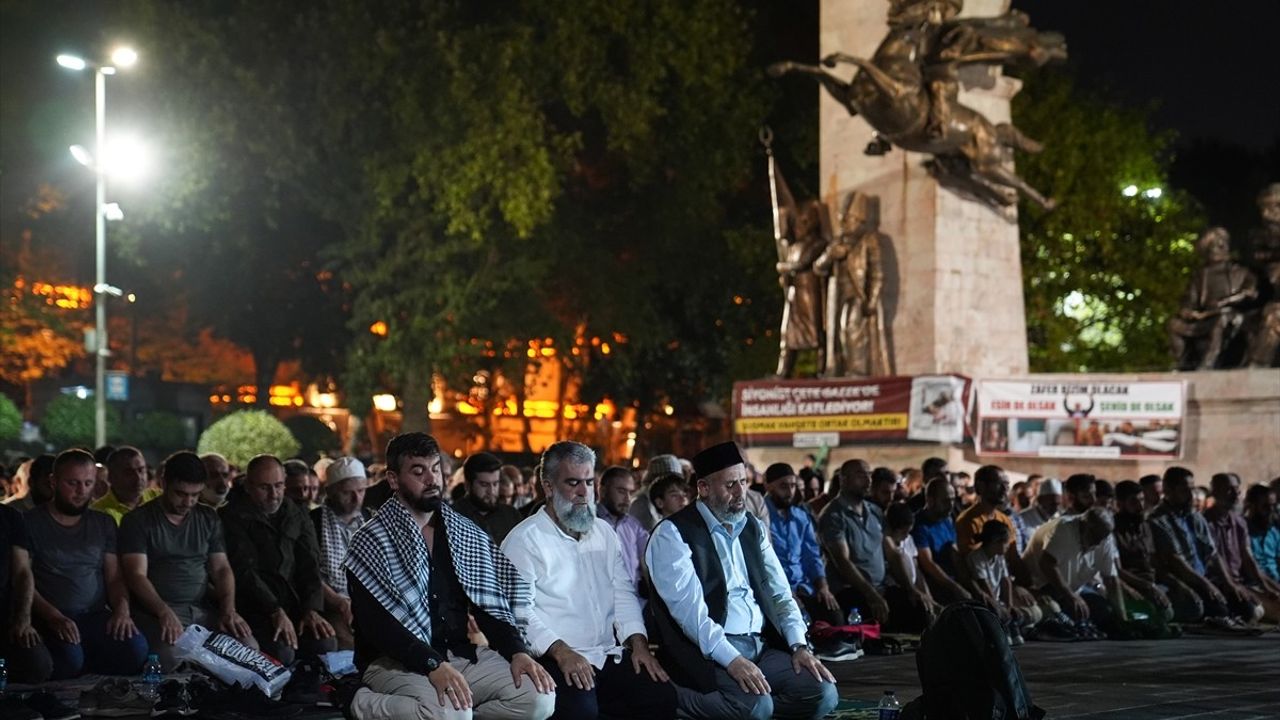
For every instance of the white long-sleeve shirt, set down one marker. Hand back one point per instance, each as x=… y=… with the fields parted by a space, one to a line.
x=670 y=563
x=582 y=593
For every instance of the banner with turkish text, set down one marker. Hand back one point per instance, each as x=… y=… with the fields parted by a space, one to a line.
x=833 y=412
x=1080 y=419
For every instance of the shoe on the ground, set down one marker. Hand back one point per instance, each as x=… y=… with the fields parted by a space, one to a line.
x=1086 y=630
x=113 y=697
x=49 y=707
x=839 y=651
x=1015 y=639
x=13 y=708
x=1052 y=630
x=201 y=691
x=304 y=685
x=172 y=701
x=238 y=702
x=338 y=694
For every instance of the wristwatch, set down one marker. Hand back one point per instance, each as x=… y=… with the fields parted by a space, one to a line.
x=797 y=647
x=432 y=663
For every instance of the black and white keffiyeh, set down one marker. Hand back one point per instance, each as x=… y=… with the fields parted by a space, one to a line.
x=389 y=557
x=334 y=539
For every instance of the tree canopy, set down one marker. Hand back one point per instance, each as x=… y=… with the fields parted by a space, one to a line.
x=458 y=171
x=1104 y=271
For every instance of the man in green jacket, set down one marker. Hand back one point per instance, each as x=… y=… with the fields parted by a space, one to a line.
x=273 y=551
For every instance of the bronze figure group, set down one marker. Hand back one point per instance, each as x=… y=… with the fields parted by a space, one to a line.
x=831 y=282
x=907 y=91
x=1230 y=315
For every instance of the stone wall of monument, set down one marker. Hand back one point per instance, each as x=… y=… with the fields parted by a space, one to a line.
x=953 y=277
x=1232 y=423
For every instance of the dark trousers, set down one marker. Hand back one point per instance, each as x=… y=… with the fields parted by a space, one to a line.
x=794 y=696
x=815 y=610
x=25 y=665
x=97 y=651
x=309 y=646
x=619 y=693
x=904 y=616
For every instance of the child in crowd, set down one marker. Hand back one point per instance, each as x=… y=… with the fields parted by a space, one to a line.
x=990 y=575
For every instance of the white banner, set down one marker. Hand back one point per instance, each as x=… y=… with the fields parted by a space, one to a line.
x=1080 y=418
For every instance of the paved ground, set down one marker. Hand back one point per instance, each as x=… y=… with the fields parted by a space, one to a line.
x=1206 y=678
x=1193 y=677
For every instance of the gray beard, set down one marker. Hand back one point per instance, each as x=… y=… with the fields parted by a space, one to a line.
x=724 y=515
x=579 y=519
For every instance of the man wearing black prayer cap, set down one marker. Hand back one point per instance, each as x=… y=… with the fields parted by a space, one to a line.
x=729 y=631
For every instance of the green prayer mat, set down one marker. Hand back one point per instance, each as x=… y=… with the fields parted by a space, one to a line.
x=852 y=709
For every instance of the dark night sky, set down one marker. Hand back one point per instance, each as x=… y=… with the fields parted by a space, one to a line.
x=1212 y=67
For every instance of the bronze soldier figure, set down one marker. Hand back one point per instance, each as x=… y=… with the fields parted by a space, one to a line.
x=856 y=343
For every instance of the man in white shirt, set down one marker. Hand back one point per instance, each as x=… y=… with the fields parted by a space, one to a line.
x=1067 y=555
x=731 y=634
x=585 y=622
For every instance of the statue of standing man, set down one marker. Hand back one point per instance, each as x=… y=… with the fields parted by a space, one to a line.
x=856 y=343
x=801 y=232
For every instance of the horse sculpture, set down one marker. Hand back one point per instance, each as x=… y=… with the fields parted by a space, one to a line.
x=908 y=92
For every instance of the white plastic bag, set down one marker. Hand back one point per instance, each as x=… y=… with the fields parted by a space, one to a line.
x=231 y=661
x=340 y=663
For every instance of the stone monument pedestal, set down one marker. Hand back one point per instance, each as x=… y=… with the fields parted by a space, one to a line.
x=1232 y=424
x=953 y=274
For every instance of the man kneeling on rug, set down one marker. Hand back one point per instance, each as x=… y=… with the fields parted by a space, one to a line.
x=730 y=632
x=585 y=607
x=415 y=571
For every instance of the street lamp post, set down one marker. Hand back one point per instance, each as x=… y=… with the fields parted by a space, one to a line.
x=122 y=57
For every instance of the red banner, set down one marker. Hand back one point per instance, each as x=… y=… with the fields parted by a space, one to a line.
x=816 y=413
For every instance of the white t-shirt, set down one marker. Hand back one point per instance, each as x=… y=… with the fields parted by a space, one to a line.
x=909 y=554
x=1063 y=538
x=990 y=568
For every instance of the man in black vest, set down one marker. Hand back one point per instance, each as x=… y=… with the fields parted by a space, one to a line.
x=728 y=628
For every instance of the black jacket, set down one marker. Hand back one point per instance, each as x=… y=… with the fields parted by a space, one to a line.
x=276 y=559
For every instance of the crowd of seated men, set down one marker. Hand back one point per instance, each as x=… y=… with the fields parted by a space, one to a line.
x=572 y=590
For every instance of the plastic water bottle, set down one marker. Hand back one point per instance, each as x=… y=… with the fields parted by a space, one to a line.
x=889 y=706
x=152 y=676
x=855 y=617
x=4 y=677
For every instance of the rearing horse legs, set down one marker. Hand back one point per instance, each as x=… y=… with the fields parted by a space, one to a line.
x=1011 y=136
x=999 y=173
x=839 y=89
x=888 y=85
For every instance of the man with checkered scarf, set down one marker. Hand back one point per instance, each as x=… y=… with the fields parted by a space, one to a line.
x=415 y=571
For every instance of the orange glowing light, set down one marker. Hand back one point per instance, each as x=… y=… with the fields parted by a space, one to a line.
x=379 y=328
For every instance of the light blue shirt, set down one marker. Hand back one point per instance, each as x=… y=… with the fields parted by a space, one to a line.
x=682 y=591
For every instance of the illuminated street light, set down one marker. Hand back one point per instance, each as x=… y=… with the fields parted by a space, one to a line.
x=82 y=155
x=72 y=62
x=125 y=158
x=123 y=57
x=1129 y=191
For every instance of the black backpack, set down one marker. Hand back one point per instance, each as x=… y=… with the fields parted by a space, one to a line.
x=968 y=671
